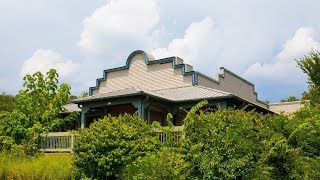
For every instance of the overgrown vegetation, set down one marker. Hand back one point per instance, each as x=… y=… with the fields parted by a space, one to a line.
x=104 y=149
x=36 y=111
x=51 y=166
x=226 y=144
x=165 y=163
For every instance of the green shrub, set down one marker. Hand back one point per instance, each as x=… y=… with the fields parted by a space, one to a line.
x=305 y=131
x=163 y=164
x=224 y=144
x=48 y=166
x=238 y=144
x=104 y=149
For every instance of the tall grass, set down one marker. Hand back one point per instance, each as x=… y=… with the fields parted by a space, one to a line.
x=45 y=166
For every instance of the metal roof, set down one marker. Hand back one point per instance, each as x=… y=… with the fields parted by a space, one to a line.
x=71 y=107
x=175 y=94
x=193 y=93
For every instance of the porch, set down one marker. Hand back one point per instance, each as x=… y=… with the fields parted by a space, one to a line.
x=147 y=107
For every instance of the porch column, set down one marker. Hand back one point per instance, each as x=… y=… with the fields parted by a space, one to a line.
x=83 y=116
x=140 y=104
x=222 y=104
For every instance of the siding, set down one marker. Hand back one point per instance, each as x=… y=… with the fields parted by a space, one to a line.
x=152 y=77
x=229 y=82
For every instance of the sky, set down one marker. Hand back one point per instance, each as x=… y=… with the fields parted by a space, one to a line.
x=256 y=39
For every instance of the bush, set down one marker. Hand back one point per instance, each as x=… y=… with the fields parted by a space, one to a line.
x=305 y=130
x=110 y=144
x=224 y=144
x=238 y=144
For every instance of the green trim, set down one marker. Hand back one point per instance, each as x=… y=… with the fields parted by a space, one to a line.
x=147 y=61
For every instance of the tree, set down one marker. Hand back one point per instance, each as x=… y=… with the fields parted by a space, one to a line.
x=84 y=94
x=313 y=95
x=290 y=98
x=74 y=97
x=7 y=104
x=311 y=66
x=38 y=109
x=71 y=98
x=42 y=100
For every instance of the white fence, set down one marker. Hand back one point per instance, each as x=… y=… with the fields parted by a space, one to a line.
x=57 y=142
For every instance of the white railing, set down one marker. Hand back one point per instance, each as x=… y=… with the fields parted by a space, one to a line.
x=57 y=142
x=177 y=134
x=63 y=141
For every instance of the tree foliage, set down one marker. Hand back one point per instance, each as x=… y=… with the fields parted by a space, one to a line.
x=84 y=94
x=313 y=94
x=310 y=64
x=71 y=98
x=7 y=103
x=42 y=100
x=37 y=111
x=290 y=98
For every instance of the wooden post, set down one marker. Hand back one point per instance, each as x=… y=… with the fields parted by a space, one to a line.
x=72 y=142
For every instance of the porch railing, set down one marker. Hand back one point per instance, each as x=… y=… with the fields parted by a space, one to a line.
x=177 y=134
x=57 y=142
x=63 y=141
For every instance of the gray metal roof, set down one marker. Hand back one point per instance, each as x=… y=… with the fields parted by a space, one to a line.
x=193 y=93
x=175 y=94
x=119 y=93
x=71 y=107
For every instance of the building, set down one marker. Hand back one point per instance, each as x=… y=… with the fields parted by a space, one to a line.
x=287 y=107
x=154 y=88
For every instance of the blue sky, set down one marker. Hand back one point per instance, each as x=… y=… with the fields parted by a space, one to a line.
x=257 y=40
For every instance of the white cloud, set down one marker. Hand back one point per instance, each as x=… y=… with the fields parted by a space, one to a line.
x=44 y=59
x=282 y=67
x=119 y=24
x=190 y=47
x=301 y=43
